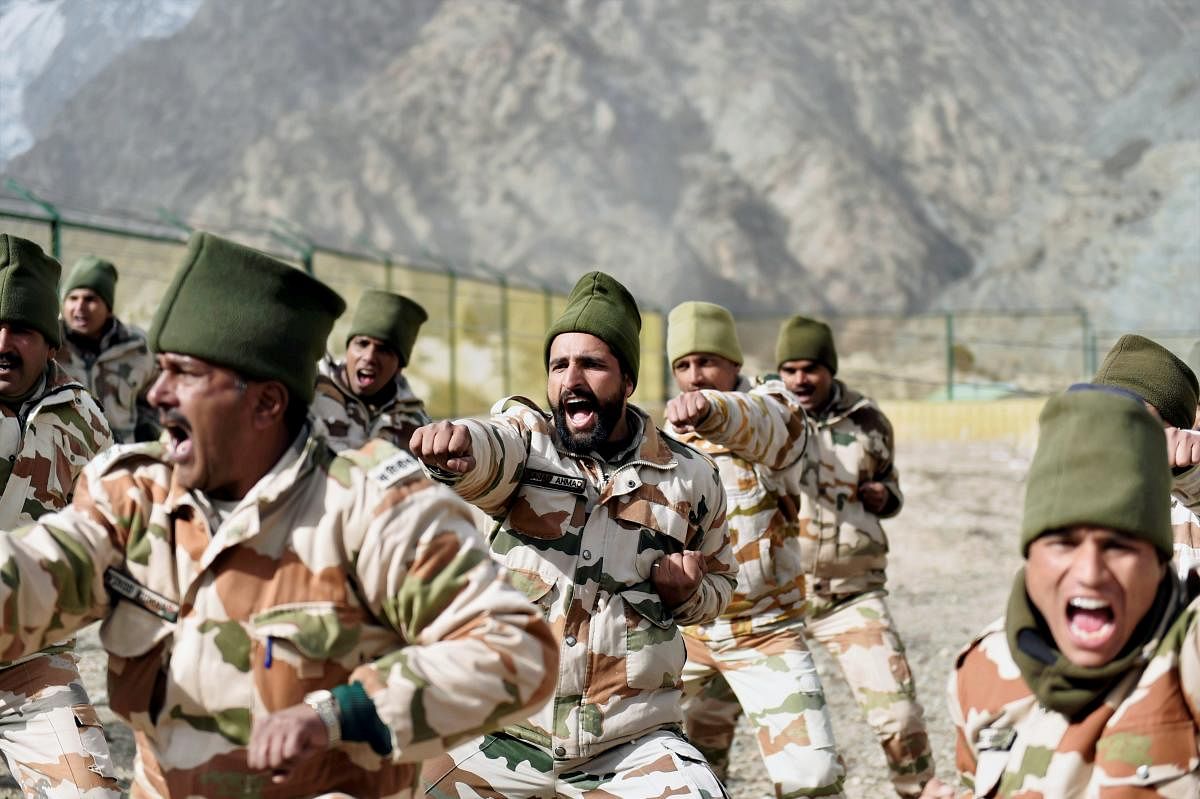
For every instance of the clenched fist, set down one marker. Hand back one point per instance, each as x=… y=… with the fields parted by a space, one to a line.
x=677 y=576
x=873 y=495
x=687 y=410
x=281 y=740
x=443 y=445
x=1183 y=447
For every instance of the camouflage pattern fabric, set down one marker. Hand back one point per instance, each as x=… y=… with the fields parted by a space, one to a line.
x=659 y=764
x=332 y=569
x=118 y=376
x=758 y=441
x=49 y=733
x=772 y=678
x=580 y=536
x=862 y=638
x=347 y=422
x=1185 y=520
x=1141 y=741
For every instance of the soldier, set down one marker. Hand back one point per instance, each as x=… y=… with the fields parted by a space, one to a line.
x=110 y=358
x=366 y=395
x=1090 y=684
x=845 y=548
x=280 y=620
x=618 y=534
x=1170 y=390
x=50 y=427
x=754 y=657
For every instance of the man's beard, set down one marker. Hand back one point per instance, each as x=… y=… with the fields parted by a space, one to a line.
x=608 y=415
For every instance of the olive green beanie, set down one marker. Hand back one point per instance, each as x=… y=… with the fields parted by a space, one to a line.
x=702 y=327
x=601 y=306
x=96 y=274
x=391 y=318
x=29 y=287
x=1101 y=460
x=804 y=339
x=1155 y=374
x=245 y=310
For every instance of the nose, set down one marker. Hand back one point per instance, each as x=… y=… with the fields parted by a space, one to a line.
x=573 y=375
x=159 y=395
x=1087 y=565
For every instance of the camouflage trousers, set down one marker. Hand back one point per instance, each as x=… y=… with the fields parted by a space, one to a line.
x=50 y=735
x=499 y=766
x=861 y=636
x=770 y=676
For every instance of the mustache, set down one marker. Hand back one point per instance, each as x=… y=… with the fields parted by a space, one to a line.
x=578 y=394
x=172 y=419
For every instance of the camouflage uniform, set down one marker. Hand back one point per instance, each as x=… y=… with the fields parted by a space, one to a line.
x=1185 y=519
x=845 y=554
x=118 y=376
x=1141 y=741
x=580 y=536
x=754 y=657
x=49 y=732
x=348 y=421
x=331 y=569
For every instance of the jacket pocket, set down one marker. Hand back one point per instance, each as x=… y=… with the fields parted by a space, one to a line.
x=545 y=514
x=1148 y=759
x=301 y=646
x=654 y=648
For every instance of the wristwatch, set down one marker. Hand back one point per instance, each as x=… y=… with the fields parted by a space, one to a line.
x=326 y=707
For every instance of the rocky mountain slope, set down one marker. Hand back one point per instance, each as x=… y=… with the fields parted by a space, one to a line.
x=773 y=155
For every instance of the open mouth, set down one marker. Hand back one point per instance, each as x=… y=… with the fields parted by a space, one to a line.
x=8 y=366
x=1091 y=620
x=580 y=412
x=365 y=376
x=179 y=440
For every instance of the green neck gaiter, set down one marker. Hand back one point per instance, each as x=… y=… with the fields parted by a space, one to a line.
x=1060 y=685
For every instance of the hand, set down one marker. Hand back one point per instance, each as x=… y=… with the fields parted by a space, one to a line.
x=873 y=495
x=687 y=410
x=936 y=789
x=1183 y=447
x=677 y=576
x=444 y=445
x=282 y=739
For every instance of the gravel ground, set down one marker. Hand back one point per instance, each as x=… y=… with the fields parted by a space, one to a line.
x=953 y=556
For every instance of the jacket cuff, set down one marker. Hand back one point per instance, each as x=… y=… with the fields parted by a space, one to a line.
x=360 y=720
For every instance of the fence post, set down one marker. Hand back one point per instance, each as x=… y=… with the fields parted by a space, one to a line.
x=1086 y=332
x=51 y=211
x=291 y=236
x=452 y=336
x=950 y=356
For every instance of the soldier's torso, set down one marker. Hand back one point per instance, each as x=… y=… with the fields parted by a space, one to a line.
x=115 y=376
x=844 y=546
x=580 y=543
x=348 y=423
x=1141 y=742
x=211 y=628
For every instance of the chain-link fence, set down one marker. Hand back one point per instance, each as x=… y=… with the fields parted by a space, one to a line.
x=485 y=334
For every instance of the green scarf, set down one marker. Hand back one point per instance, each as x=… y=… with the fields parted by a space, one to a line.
x=1060 y=685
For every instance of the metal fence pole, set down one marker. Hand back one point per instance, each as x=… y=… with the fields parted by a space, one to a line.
x=452 y=336
x=49 y=208
x=1086 y=332
x=949 y=356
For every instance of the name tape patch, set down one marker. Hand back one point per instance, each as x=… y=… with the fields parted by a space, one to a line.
x=395 y=468
x=125 y=586
x=997 y=738
x=555 y=482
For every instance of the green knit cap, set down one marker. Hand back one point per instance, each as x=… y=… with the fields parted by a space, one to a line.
x=702 y=327
x=29 y=287
x=1101 y=460
x=96 y=274
x=391 y=318
x=603 y=307
x=1155 y=374
x=244 y=310
x=804 y=339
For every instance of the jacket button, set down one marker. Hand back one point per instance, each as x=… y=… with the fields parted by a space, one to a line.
x=630 y=483
x=586 y=554
x=569 y=640
x=1143 y=772
x=560 y=751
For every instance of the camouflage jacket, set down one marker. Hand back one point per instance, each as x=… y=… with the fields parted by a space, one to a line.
x=332 y=569
x=843 y=544
x=42 y=450
x=580 y=536
x=348 y=422
x=1142 y=741
x=757 y=439
x=118 y=376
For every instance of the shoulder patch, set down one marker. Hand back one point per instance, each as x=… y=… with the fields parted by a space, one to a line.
x=396 y=468
x=117 y=453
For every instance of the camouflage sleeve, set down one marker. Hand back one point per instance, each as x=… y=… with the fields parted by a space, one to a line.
x=52 y=573
x=881 y=448
x=477 y=656
x=766 y=426
x=1189 y=661
x=964 y=755
x=720 y=577
x=1186 y=487
x=500 y=447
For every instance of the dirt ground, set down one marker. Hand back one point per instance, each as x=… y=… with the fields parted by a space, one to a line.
x=953 y=556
